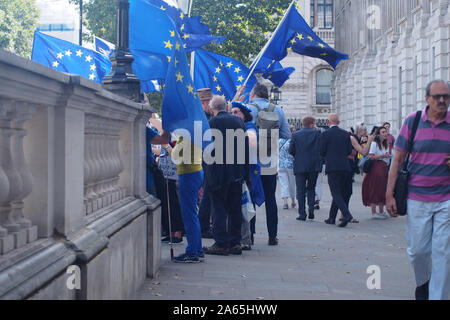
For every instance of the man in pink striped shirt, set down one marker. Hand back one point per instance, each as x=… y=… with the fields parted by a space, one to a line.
x=428 y=205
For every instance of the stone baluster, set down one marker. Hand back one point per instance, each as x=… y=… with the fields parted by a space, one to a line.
x=24 y=113
x=93 y=165
x=118 y=160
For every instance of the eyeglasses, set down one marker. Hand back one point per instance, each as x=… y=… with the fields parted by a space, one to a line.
x=440 y=96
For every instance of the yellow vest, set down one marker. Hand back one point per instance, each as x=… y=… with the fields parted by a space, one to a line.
x=194 y=164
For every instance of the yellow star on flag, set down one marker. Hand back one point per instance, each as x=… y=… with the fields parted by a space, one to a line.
x=179 y=77
x=55 y=64
x=190 y=88
x=176 y=61
x=221 y=64
x=177 y=46
x=169 y=58
x=293 y=41
x=79 y=53
x=237 y=70
x=323 y=54
x=162 y=8
x=215 y=78
x=310 y=38
x=89 y=58
x=93 y=67
x=181 y=15
x=218 y=88
x=185 y=36
x=172 y=33
x=91 y=76
x=241 y=78
x=182 y=27
x=300 y=36
x=229 y=64
x=168 y=44
x=195 y=95
x=68 y=53
x=60 y=56
x=321 y=45
x=218 y=70
x=184 y=45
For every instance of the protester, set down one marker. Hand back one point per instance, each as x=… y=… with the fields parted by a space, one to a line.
x=259 y=101
x=375 y=182
x=204 y=211
x=305 y=148
x=335 y=147
x=428 y=204
x=286 y=173
x=190 y=179
x=224 y=181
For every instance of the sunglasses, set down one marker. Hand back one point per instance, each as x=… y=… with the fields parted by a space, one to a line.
x=440 y=96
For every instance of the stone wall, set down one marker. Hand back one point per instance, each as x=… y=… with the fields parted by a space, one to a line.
x=390 y=64
x=72 y=187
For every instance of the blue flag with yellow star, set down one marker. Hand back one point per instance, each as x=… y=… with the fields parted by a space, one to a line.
x=293 y=33
x=193 y=32
x=181 y=107
x=222 y=74
x=68 y=57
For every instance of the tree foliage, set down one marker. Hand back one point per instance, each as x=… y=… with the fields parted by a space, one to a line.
x=247 y=24
x=18 y=21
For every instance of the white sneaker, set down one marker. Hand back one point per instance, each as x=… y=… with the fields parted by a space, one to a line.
x=386 y=215
x=378 y=216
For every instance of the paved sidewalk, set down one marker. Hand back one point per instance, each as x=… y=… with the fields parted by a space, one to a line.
x=313 y=261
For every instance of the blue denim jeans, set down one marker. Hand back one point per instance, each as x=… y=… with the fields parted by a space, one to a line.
x=428 y=236
x=189 y=186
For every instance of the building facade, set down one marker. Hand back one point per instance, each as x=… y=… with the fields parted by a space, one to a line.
x=396 y=47
x=308 y=91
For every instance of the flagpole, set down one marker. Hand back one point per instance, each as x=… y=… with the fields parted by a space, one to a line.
x=261 y=53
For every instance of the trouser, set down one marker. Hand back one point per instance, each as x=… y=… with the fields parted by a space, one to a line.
x=227 y=210
x=339 y=186
x=189 y=185
x=306 y=183
x=204 y=212
x=428 y=236
x=269 y=183
x=287 y=182
x=176 y=221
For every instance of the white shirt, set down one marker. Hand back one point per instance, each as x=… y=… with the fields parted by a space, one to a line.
x=374 y=149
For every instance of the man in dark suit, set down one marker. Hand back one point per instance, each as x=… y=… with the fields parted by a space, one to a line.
x=224 y=178
x=304 y=148
x=335 y=147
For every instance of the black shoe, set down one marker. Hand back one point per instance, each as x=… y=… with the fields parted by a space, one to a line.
x=273 y=241
x=311 y=215
x=216 y=250
x=344 y=222
x=236 y=250
x=422 y=292
x=301 y=218
x=328 y=221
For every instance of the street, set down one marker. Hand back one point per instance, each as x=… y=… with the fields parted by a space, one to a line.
x=312 y=261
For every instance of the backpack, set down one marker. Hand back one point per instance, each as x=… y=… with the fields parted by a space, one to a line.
x=267 y=119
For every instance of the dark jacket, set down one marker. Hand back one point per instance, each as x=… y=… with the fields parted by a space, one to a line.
x=335 y=147
x=220 y=175
x=304 y=147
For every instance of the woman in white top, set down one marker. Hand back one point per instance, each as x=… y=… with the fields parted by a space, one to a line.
x=375 y=182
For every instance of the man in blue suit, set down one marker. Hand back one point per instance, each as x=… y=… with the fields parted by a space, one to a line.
x=307 y=165
x=335 y=147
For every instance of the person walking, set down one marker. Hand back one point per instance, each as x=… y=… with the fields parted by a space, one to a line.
x=305 y=148
x=428 y=204
x=335 y=147
x=225 y=180
x=375 y=182
x=391 y=138
x=263 y=113
x=286 y=173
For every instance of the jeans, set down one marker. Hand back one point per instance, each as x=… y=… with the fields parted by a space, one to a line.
x=428 y=236
x=306 y=183
x=269 y=183
x=189 y=185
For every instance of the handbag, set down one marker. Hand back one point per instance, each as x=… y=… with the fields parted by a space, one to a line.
x=401 y=185
x=365 y=164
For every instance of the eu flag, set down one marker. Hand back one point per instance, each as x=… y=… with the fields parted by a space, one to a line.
x=181 y=107
x=104 y=47
x=193 y=32
x=68 y=57
x=220 y=73
x=276 y=73
x=293 y=33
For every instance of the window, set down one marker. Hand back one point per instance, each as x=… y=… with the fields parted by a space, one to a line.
x=323 y=86
x=56 y=27
x=322 y=14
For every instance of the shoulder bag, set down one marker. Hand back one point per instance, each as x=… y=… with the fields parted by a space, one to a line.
x=401 y=185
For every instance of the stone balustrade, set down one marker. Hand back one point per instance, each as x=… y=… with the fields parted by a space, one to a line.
x=72 y=169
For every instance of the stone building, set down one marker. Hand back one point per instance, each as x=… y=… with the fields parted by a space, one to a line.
x=396 y=47
x=308 y=91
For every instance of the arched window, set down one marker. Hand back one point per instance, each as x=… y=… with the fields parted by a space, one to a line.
x=323 y=86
